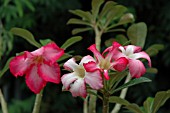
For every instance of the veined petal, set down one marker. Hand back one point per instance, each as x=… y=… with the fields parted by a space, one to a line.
x=96 y=52
x=142 y=55
x=68 y=79
x=120 y=64
x=94 y=79
x=33 y=80
x=52 y=52
x=91 y=66
x=50 y=73
x=19 y=65
x=136 y=68
x=71 y=64
x=86 y=59
x=106 y=75
x=78 y=88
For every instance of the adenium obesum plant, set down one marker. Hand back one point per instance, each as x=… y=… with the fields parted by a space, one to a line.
x=39 y=66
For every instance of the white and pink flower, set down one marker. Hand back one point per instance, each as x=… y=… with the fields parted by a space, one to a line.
x=81 y=75
x=132 y=53
x=39 y=66
x=105 y=63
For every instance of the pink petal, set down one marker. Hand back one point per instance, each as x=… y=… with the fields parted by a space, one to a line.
x=120 y=64
x=50 y=73
x=133 y=48
x=116 y=44
x=90 y=66
x=142 y=55
x=106 y=75
x=68 y=79
x=52 y=52
x=94 y=79
x=136 y=68
x=96 y=52
x=71 y=64
x=33 y=80
x=38 y=52
x=78 y=88
x=19 y=65
x=86 y=59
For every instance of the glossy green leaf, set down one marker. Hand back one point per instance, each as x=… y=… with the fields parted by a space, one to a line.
x=132 y=83
x=95 y=7
x=160 y=99
x=19 y=7
x=154 y=49
x=45 y=41
x=5 y=68
x=63 y=57
x=137 y=34
x=78 y=21
x=115 y=99
x=152 y=70
x=115 y=30
x=26 y=35
x=106 y=8
x=84 y=15
x=80 y=30
x=148 y=103
x=126 y=18
x=121 y=39
x=134 y=108
x=71 y=41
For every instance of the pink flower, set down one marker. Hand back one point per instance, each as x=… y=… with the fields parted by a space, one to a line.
x=39 y=66
x=105 y=62
x=133 y=53
x=82 y=74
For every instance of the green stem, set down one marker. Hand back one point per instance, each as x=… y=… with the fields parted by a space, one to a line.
x=37 y=103
x=85 y=107
x=105 y=103
x=122 y=95
x=3 y=103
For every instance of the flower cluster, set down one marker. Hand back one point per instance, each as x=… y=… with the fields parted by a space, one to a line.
x=40 y=67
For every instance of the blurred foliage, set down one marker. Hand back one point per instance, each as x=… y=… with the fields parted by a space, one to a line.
x=48 y=18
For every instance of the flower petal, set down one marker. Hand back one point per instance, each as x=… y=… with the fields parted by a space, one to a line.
x=90 y=66
x=120 y=64
x=106 y=75
x=78 y=88
x=68 y=79
x=132 y=49
x=86 y=59
x=52 y=52
x=96 y=52
x=37 y=52
x=71 y=64
x=136 y=68
x=50 y=73
x=142 y=55
x=33 y=80
x=19 y=65
x=94 y=79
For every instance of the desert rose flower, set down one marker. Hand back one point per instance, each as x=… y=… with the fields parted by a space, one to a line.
x=39 y=66
x=81 y=74
x=106 y=62
x=133 y=53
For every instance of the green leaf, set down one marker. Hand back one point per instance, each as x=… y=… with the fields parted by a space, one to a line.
x=154 y=49
x=107 y=7
x=134 y=108
x=29 y=5
x=19 y=7
x=80 y=30
x=6 y=67
x=95 y=7
x=121 y=39
x=45 y=41
x=126 y=18
x=148 y=105
x=132 y=83
x=137 y=34
x=63 y=57
x=26 y=35
x=71 y=41
x=78 y=21
x=160 y=99
x=115 y=99
x=84 y=15
x=152 y=70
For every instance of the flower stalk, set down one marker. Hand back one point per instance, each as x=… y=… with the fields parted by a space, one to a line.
x=3 y=103
x=37 y=103
x=105 y=103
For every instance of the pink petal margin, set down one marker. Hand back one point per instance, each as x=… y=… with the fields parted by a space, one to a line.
x=120 y=64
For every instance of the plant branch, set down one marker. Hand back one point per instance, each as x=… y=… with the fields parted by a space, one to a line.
x=37 y=103
x=122 y=95
x=3 y=103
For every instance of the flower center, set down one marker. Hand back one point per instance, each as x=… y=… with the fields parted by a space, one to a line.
x=104 y=64
x=81 y=72
x=38 y=59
